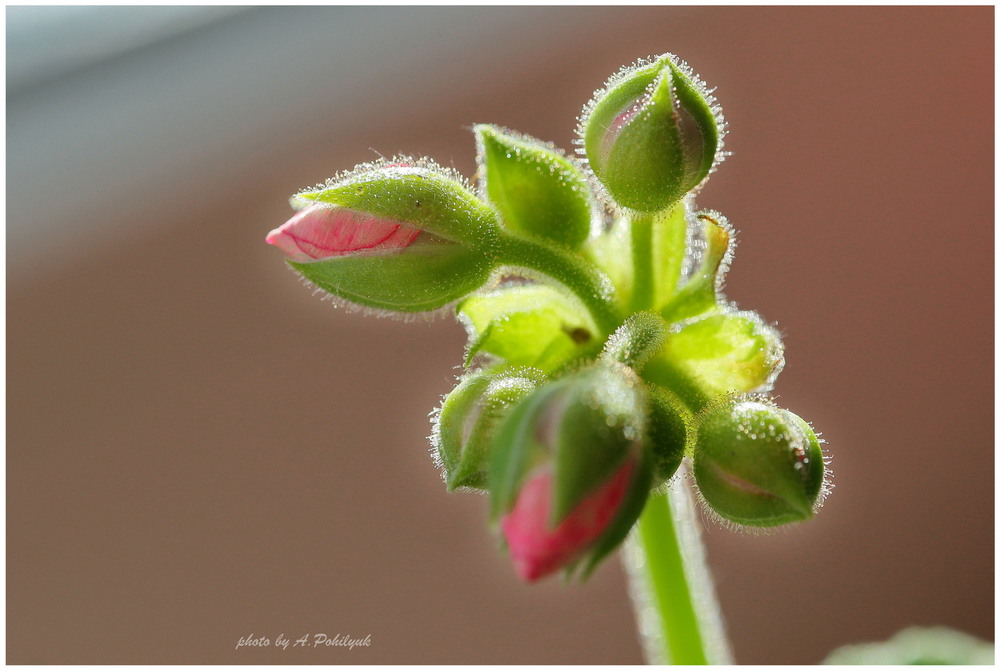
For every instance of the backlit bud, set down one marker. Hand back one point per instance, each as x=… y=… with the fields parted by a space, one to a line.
x=758 y=465
x=570 y=470
x=652 y=134
x=322 y=232
x=536 y=548
x=639 y=338
x=465 y=426
x=401 y=237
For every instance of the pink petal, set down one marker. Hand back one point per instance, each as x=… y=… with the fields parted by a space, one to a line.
x=619 y=122
x=536 y=549
x=321 y=232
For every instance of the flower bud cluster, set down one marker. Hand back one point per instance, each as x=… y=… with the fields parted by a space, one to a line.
x=602 y=353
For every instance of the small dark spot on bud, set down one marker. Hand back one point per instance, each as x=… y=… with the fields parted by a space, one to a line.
x=416 y=203
x=578 y=335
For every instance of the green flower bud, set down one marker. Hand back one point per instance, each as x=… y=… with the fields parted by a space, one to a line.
x=758 y=465
x=466 y=423
x=633 y=344
x=538 y=190
x=570 y=471
x=652 y=134
x=637 y=340
x=404 y=236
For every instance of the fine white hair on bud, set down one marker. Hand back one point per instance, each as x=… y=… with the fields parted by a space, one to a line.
x=601 y=351
x=653 y=133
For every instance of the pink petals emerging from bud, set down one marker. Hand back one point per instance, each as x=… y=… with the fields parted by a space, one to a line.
x=619 y=122
x=536 y=548
x=320 y=232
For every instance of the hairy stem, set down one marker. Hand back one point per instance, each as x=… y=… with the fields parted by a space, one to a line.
x=642 y=262
x=672 y=593
x=589 y=285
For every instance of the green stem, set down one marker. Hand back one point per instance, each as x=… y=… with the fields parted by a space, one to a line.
x=659 y=247
x=588 y=284
x=643 y=281
x=678 y=615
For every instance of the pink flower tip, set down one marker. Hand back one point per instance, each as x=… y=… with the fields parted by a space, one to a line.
x=538 y=549
x=322 y=231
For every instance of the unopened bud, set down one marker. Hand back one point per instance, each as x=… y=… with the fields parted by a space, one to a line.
x=570 y=472
x=652 y=134
x=758 y=465
x=464 y=428
x=407 y=238
x=536 y=547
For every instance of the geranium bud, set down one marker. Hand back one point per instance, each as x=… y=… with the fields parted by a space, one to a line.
x=757 y=464
x=536 y=548
x=652 y=134
x=639 y=338
x=570 y=470
x=465 y=426
x=398 y=236
x=321 y=231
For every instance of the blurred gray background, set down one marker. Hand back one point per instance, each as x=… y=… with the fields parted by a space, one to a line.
x=198 y=450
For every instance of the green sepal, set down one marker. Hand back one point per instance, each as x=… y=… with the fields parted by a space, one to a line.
x=424 y=196
x=628 y=514
x=634 y=342
x=603 y=420
x=516 y=448
x=670 y=240
x=423 y=277
x=527 y=325
x=716 y=355
x=584 y=425
x=651 y=136
x=757 y=464
x=465 y=427
x=611 y=253
x=702 y=292
x=538 y=190
x=669 y=431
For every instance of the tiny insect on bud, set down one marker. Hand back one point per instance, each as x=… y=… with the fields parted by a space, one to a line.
x=758 y=465
x=652 y=134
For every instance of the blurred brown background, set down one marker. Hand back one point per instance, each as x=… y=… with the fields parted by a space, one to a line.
x=199 y=450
